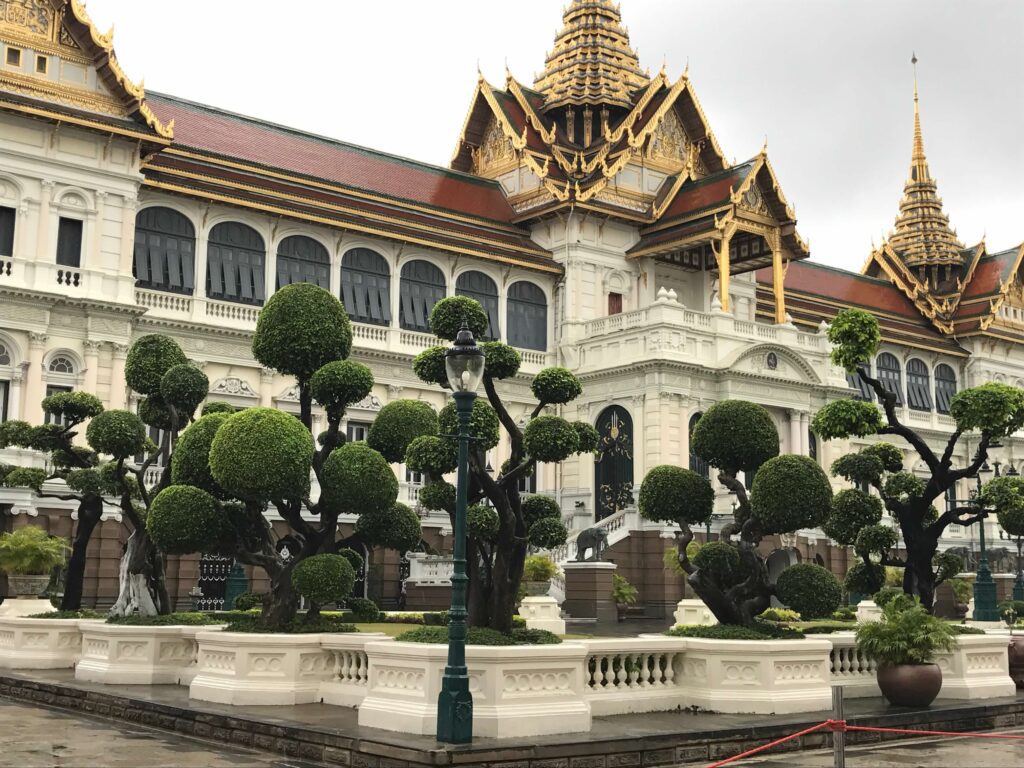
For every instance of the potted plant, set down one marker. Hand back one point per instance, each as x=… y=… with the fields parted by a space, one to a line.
x=538 y=570
x=961 y=596
x=904 y=642
x=624 y=594
x=27 y=556
x=1012 y=611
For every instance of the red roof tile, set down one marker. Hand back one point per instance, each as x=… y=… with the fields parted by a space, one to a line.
x=846 y=287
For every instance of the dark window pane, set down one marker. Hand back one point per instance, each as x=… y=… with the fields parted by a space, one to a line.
x=614 y=303
x=477 y=285
x=6 y=231
x=945 y=387
x=164 y=251
x=69 y=242
x=613 y=465
x=918 y=390
x=891 y=375
x=302 y=259
x=861 y=387
x=697 y=464
x=527 y=317
x=5 y=396
x=234 y=264
x=49 y=418
x=421 y=286
x=365 y=286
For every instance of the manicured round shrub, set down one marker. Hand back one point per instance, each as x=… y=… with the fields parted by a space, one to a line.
x=500 y=360
x=852 y=510
x=859 y=468
x=1006 y=496
x=438 y=496
x=589 y=438
x=992 y=407
x=670 y=494
x=72 y=406
x=184 y=387
x=262 y=454
x=15 y=432
x=431 y=454
x=25 y=477
x=148 y=360
x=719 y=560
x=875 y=540
x=735 y=435
x=550 y=439
x=116 y=433
x=364 y=610
x=810 y=590
x=247 y=601
x=902 y=486
x=547 y=533
x=887 y=453
x=340 y=383
x=855 y=336
x=353 y=557
x=183 y=519
x=482 y=521
x=429 y=366
x=357 y=480
x=397 y=528
x=448 y=315
x=539 y=507
x=154 y=412
x=864 y=579
x=217 y=406
x=301 y=328
x=399 y=423
x=324 y=579
x=483 y=424
x=789 y=493
x=85 y=481
x=190 y=463
x=556 y=386
x=847 y=418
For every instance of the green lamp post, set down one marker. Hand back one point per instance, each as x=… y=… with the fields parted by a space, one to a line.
x=464 y=364
x=984 y=585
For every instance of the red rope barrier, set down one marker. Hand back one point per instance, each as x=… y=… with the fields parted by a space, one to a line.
x=937 y=733
x=775 y=743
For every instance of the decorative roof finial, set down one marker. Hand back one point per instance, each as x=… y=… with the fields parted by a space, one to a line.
x=918 y=139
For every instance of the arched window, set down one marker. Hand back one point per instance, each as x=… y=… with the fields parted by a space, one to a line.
x=5 y=385
x=302 y=259
x=420 y=288
x=365 y=286
x=812 y=445
x=945 y=387
x=165 y=248
x=613 y=465
x=477 y=285
x=919 y=396
x=5 y=354
x=235 y=258
x=527 y=321
x=62 y=364
x=891 y=375
x=697 y=464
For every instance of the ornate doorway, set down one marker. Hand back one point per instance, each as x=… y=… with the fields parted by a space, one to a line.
x=613 y=467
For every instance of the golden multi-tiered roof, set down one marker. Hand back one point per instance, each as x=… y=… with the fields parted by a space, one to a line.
x=592 y=62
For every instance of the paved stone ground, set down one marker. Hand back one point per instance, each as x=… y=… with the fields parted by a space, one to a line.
x=48 y=738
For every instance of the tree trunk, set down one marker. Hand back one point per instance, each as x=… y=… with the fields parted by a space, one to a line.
x=507 y=575
x=478 y=592
x=919 y=573
x=89 y=511
x=282 y=604
x=143 y=589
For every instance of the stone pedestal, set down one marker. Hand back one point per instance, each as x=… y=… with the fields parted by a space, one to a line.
x=20 y=607
x=868 y=611
x=542 y=612
x=694 y=612
x=588 y=591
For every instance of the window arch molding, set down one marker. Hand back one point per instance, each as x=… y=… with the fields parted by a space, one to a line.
x=302 y=258
x=236 y=262
x=481 y=285
x=366 y=285
x=12 y=191
x=889 y=372
x=10 y=354
x=527 y=315
x=165 y=249
x=53 y=360
x=919 y=389
x=422 y=283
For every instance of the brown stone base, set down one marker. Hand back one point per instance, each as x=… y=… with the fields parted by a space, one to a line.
x=588 y=591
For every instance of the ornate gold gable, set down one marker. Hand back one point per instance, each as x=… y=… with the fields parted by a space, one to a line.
x=496 y=153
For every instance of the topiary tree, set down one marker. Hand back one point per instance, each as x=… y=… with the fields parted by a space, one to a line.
x=1007 y=498
x=241 y=463
x=788 y=493
x=992 y=411
x=503 y=525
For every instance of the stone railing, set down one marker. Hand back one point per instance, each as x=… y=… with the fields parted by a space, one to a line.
x=850 y=668
x=163 y=302
x=617 y=527
x=349 y=669
x=634 y=674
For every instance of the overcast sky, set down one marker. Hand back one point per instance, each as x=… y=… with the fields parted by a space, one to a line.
x=829 y=83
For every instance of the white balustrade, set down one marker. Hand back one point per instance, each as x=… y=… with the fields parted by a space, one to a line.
x=634 y=675
x=227 y=310
x=171 y=303
x=850 y=668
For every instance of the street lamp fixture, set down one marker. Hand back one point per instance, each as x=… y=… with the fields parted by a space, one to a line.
x=984 y=585
x=464 y=364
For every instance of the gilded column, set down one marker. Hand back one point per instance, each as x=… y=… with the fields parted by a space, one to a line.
x=32 y=408
x=266 y=387
x=778 y=278
x=724 y=266
x=92 y=366
x=118 y=388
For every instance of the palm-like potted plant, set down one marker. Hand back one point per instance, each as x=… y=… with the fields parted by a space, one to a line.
x=624 y=594
x=538 y=571
x=962 y=591
x=904 y=643
x=27 y=556
x=1012 y=611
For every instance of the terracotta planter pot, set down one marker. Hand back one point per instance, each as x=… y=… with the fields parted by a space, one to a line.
x=1016 y=654
x=910 y=685
x=20 y=585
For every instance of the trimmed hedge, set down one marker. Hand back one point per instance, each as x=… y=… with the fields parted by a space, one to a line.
x=438 y=635
x=248 y=600
x=399 y=423
x=810 y=590
x=149 y=358
x=864 y=579
x=357 y=480
x=339 y=384
x=120 y=434
x=790 y=493
x=324 y=579
x=735 y=435
x=547 y=533
x=187 y=619
x=184 y=519
x=556 y=386
x=670 y=494
x=253 y=624
x=363 y=610
x=218 y=406
x=734 y=632
x=185 y=387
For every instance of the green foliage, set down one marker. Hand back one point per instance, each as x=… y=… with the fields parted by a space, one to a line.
x=184 y=387
x=947 y=565
x=782 y=615
x=154 y=412
x=962 y=590
x=556 y=386
x=86 y=482
x=550 y=439
x=184 y=619
x=500 y=360
x=339 y=384
x=149 y=358
x=478 y=636
x=903 y=486
x=47 y=437
x=539 y=507
x=16 y=433
x=735 y=435
x=324 y=579
x=864 y=579
x=120 y=434
x=301 y=328
x=886 y=595
x=845 y=613
x=810 y=590
x=184 y=519
x=248 y=600
x=852 y=511
x=399 y=423
x=1005 y=495
x=190 y=463
x=431 y=454
x=623 y=593
x=483 y=424
x=262 y=454
x=789 y=493
x=547 y=534
x=893 y=576
x=589 y=438
x=298 y=626
x=670 y=494
x=963 y=629
x=720 y=560
x=887 y=453
x=847 y=418
x=539 y=568
x=994 y=409
x=396 y=527
x=448 y=315
x=77 y=457
x=354 y=558
x=357 y=480
x=482 y=521
x=364 y=611
x=31 y=551
x=524 y=636
x=905 y=634
x=855 y=336
x=762 y=631
x=80 y=613
x=25 y=477
x=217 y=406
x=875 y=540
x=74 y=407
x=438 y=496
x=429 y=367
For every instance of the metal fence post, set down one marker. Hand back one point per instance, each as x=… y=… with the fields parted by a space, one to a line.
x=838 y=737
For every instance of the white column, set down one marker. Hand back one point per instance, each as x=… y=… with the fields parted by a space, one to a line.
x=266 y=387
x=794 y=432
x=91 y=259
x=92 y=366
x=118 y=388
x=17 y=385
x=43 y=234
x=805 y=434
x=32 y=409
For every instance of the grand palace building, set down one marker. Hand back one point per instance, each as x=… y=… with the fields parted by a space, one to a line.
x=592 y=213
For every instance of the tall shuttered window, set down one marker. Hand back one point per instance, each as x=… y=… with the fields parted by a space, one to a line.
x=862 y=390
x=891 y=375
x=945 y=387
x=697 y=464
x=6 y=231
x=235 y=259
x=49 y=418
x=613 y=464
x=477 y=285
x=919 y=395
x=69 y=242
x=302 y=259
x=165 y=248
x=366 y=287
x=527 y=325
x=5 y=399
x=422 y=286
